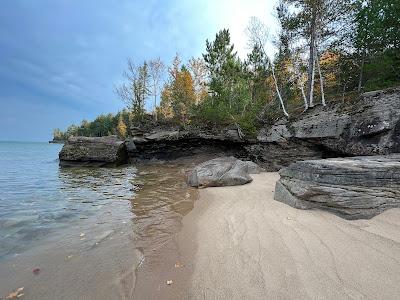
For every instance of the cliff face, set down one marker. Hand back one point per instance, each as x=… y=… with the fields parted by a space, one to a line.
x=93 y=151
x=370 y=126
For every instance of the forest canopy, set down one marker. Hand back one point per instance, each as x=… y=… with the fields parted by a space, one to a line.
x=326 y=51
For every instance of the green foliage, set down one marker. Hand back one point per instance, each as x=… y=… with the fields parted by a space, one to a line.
x=178 y=96
x=357 y=49
x=235 y=86
x=103 y=125
x=135 y=91
x=377 y=41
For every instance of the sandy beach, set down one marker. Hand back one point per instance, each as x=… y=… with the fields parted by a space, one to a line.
x=238 y=243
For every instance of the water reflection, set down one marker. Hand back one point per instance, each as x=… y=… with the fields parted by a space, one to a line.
x=157 y=194
x=64 y=196
x=160 y=204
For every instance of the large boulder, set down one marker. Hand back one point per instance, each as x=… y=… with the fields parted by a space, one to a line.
x=93 y=151
x=353 y=188
x=223 y=171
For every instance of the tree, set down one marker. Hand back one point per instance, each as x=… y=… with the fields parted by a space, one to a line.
x=122 y=130
x=199 y=73
x=58 y=135
x=222 y=64
x=314 y=23
x=136 y=89
x=178 y=95
x=72 y=130
x=156 y=70
x=258 y=37
x=377 y=40
x=257 y=68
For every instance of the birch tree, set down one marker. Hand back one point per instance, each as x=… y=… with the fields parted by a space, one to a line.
x=313 y=23
x=299 y=78
x=258 y=36
x=156 y=70
x=198 y=69
x=135 y=90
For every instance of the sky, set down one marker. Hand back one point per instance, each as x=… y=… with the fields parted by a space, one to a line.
x=61 y=59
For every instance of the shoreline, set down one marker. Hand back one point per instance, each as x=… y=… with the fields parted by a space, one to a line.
x=233 y=242
x=239 y=243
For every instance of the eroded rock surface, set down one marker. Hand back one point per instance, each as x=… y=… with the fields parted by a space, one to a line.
x=93 y=151
x=370 y=126
x=223 y=171
x=353 y=188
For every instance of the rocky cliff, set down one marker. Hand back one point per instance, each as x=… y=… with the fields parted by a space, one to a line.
x=93 y=151
x=368 y=126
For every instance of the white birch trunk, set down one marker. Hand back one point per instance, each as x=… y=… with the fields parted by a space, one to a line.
x=321 y=79
x=311 y=93
x=304 y=97
x=277 y=91
x=155 y=105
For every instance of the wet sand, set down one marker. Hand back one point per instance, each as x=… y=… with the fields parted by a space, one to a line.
x=238 y=243
x=90 y=260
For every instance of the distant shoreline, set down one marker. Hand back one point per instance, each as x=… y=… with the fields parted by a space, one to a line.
x=57 y=142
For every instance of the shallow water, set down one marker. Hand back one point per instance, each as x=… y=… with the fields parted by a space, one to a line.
x=90 y=231
x=37 y=197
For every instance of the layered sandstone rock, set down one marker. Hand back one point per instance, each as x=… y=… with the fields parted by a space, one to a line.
x=353 y=188
x=93 y=151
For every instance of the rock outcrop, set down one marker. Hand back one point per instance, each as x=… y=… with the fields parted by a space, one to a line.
x=171 y=144
x=367 y=126
x=353 y=188
x=223 y=171
x=93 y=151
x=370 y=126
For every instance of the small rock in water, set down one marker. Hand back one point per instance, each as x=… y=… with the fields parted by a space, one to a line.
x=18 y=293
x=36 y=271
x=178 y=265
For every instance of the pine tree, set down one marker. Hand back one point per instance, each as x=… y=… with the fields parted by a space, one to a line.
x=222 y=64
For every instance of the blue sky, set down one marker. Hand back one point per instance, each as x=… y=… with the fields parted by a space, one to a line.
x=60 y=59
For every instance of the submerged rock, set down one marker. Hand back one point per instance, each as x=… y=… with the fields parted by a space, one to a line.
x=223 y=171
x=93 y=151
x=353 y=188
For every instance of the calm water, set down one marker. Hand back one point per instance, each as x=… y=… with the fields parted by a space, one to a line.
x=94 y=233
x=38 y=198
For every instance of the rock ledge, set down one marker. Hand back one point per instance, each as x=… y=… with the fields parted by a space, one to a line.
x=353 y=188
x=93 y=151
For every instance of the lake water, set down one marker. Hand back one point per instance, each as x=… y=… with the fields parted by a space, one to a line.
x=89 y=231
x=37 y=197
